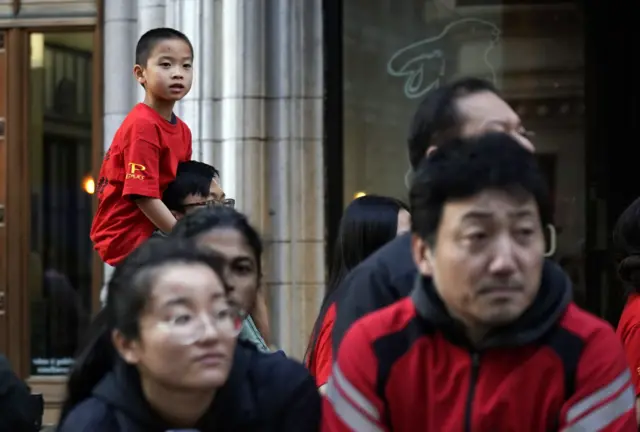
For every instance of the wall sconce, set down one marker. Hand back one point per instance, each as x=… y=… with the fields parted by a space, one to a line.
x=359 y=194
x=89 y=185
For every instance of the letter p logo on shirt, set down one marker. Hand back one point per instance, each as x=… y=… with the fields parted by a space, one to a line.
x=134 y=171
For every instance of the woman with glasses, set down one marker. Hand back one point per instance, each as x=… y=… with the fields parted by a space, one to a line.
x=229 y=233
x=163 y=355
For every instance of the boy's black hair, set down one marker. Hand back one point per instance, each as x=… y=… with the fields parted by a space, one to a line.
x=192 y=178
x=464 y=167
x=437 y=115
x=150 y=39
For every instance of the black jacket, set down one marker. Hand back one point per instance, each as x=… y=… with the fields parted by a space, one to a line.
x=383 y=278
x=19 y=410
x=264 y=392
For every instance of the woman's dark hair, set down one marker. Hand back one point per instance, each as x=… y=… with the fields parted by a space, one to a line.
x=209 y=218
x=368 y=223
x=128 y=292
x=626 y=242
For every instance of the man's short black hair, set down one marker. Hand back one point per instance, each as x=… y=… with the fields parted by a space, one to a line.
x=150 y=39
x=192 y=178
x=437 y=115
x=464 y=167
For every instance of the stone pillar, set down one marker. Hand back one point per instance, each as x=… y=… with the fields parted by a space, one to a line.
x=120 y=30
x=151 y=14
x=295 y=237
x=242 y=106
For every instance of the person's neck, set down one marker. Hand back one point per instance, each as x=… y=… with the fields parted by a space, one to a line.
x=179 y=408
x=474 y=331
x=164 y=108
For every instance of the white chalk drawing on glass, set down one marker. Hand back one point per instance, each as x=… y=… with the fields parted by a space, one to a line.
x=414 y=62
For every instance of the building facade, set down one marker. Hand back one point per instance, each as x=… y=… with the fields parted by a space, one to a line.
x=302 y=105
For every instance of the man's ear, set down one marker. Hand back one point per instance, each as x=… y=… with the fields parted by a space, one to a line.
x=430 y=151
x=422 y=256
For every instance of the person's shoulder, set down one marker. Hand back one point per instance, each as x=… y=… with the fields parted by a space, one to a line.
x=630 y=316
x=587 y=327
x=90 y=415
x=140 y=115
x=390 y=320
x=391 y=261
x=275 y=369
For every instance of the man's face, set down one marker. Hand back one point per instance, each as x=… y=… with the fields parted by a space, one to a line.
x=193 y=202
x=486 y=259
x=486 y=112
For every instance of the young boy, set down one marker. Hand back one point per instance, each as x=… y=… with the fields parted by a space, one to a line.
x=146 y=149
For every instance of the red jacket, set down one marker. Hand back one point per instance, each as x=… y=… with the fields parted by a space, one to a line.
x=629 y=333
x=408 y=367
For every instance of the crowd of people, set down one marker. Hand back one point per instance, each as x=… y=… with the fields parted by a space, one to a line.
x=440 y=315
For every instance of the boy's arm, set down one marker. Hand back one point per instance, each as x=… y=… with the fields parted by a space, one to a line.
x=157 y=212
x=142 y=174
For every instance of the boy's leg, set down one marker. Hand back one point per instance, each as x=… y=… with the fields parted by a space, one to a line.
x=108 y=271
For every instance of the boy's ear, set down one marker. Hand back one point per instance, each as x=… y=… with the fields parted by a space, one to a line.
x=138 y=73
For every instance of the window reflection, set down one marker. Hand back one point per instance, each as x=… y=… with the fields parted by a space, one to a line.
x=60 y=160
x=396 y=52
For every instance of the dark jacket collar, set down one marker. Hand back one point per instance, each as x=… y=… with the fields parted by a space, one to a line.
x=549 y=305
x=233 y=406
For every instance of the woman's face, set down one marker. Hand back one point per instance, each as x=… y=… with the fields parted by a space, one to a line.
x=187 y=330
x=404 y=221
x=242 y=273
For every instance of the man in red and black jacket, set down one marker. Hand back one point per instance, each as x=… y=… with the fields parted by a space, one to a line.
x=489 y=339
x=465 y=107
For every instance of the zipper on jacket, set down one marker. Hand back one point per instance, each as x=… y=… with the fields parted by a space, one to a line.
x=468 y=412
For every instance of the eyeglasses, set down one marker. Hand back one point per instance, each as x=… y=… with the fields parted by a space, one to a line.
x=188 y=328
x=228 y=202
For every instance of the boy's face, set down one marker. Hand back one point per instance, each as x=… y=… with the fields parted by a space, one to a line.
x=168 y=73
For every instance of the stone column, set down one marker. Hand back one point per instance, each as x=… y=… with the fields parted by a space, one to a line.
x=120 y=30
x=295 y=235
x=151 y=14
x=242 y=106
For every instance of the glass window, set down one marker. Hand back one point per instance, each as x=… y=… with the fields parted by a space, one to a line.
x=395 y=52
x=60 y=163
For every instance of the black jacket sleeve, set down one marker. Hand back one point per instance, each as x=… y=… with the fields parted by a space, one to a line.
x=364 y=291
x=303 y=411
x=19 y=411
x=89 y=416
x=382 y=279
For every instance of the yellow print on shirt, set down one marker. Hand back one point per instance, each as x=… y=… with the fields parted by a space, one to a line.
x=133 y=169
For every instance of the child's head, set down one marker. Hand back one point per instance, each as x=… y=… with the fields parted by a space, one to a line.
x=164 y=58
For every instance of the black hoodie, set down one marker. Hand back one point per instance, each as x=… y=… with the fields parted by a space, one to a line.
x=264 y=392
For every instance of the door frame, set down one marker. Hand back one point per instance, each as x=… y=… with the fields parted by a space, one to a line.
x=16 y=246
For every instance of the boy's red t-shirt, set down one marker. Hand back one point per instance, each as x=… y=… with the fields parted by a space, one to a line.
x=142 y=161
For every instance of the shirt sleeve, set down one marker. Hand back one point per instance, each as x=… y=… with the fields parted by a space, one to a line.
x=604 y=399
x=323 y=353
x=631 y=342
x=142 y=163
x=351 y=402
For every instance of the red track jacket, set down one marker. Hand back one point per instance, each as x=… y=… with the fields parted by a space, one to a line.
x=409 y=368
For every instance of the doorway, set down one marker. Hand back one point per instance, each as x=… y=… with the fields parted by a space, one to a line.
x=50 y=151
